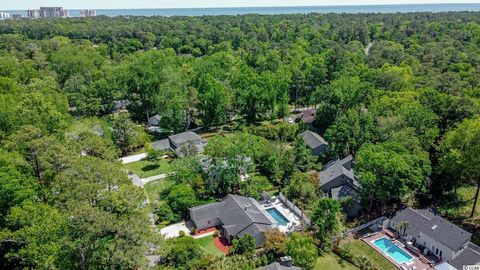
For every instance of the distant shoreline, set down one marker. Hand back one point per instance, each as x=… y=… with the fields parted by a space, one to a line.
x=350 y=9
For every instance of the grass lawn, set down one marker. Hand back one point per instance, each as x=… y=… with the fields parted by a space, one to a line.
x=262 y=181
x=458 y=210
x=462 y=205
x=206 y=244
x=144 y=168
x=330 y=261
x=359 y=248
x=154 y=188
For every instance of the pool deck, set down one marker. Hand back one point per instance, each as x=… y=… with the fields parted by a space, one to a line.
x=293 y=219
x=417 y=263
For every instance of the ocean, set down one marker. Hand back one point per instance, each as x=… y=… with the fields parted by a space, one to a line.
x=277 y=10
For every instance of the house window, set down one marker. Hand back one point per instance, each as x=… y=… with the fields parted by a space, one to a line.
x=440 y=255
x=436 y=251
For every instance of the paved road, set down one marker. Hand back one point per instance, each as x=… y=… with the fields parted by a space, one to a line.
x=133 y=158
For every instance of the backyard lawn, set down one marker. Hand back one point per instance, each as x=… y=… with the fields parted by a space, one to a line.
x=359 y=248
x=458 y=211
x=462 y=206
x=206 y=244
x=154 y=188
x=145 y=168
x=330 y=261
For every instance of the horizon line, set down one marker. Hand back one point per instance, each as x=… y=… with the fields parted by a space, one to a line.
x=281 y=6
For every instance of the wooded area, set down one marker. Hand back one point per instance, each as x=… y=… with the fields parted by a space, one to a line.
x=407 y=108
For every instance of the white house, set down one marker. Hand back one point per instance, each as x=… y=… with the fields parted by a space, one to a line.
x=435 y=235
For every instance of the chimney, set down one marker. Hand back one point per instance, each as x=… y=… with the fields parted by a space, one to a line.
x=286 y=261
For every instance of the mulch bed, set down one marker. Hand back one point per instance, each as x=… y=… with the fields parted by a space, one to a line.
x=222 y=244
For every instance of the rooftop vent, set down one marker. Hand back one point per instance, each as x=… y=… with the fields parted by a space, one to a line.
x=247 y=206
x=434 y=227
x=286 y=261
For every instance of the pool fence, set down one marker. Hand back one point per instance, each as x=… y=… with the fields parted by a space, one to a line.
x=297 y=211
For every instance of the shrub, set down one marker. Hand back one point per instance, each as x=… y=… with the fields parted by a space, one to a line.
x=244 y=245
x=281 y=131
x=181 y=233
x=346 y=253
x=165 y=213
x=216 y=234
x=154 y=155
x=193 y=231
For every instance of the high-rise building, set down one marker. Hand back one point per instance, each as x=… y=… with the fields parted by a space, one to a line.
x=33 y=13
x=53 y=12
x=5 y=15
x=88 y=13
x=48 y=12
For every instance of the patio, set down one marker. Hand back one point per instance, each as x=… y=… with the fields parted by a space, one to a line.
x=294 y=220
x=418 y=263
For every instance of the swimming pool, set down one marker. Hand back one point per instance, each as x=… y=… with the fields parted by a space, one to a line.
x=275 y=214
x=391 y=250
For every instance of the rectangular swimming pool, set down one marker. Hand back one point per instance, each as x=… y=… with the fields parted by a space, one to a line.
x=390 y=249
x=275 y=214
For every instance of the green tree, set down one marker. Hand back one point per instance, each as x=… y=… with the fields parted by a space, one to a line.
x=275 y=245
x=180 y=198
x=390 y=171
x=303 y=155
x=213 y=101
x=244 y=245
x=126 y=134
x=460 y=150
x=301 y=190
x=326 y=220
x=35 y=236
x=181 y=252
x=303 y=250
x=349 y=132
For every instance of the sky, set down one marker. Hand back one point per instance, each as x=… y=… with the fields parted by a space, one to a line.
x=113 y=4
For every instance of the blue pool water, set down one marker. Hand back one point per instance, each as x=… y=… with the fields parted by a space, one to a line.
x=396 y=253
x=281 y=220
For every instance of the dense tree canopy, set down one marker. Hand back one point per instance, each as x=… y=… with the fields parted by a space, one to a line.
x=76 y=93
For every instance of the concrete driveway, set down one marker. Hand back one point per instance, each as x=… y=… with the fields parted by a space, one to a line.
x=173 y=231
x=133 y=158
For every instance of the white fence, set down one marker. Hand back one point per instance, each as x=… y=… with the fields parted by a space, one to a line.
x=292 y=207
x=378 y=221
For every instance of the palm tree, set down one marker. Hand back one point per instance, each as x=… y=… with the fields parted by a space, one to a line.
x=401 y=228
x=364 y=263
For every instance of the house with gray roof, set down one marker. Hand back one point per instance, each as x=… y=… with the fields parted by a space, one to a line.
x=307 y=117
x=176 y=142
x=284 y=264
x=154 y=120
x=434 y=235
x=315 y=142
x=235 y=216
x=337 y=181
